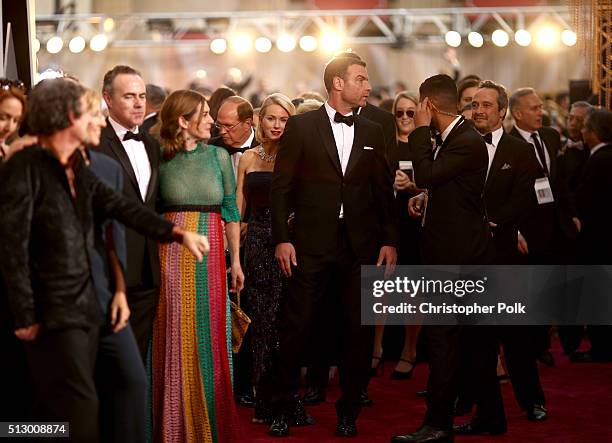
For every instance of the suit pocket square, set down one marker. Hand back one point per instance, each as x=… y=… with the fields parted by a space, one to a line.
x=369 y=148
x=506 y=166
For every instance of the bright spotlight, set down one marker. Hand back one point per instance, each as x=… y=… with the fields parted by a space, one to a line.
x=522 y=37
x=55 y=44
x=285 y=43
x=263 y=44
x=308 y=43
x=36 y=45
x=241 y=43
x=547 y=37
x=77 y=44
x=218 y=46
x=201 y=74
x=453 y=39
x=330 y=42
x=98 y=42
x=568 y=37
x=500 y=38
x=475 y=39
x=109 y=24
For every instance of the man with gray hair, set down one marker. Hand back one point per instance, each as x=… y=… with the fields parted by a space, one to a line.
x=155 y=99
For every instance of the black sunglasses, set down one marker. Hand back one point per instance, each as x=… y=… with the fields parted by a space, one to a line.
x=5 y=83
x=409 y=113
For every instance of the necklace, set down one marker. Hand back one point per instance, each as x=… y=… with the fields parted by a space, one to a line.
x=268 y=158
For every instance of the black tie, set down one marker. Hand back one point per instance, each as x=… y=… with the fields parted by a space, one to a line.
x=439 y=140
x=131 y=136
x=488 y=138
x=346 y=119
x=233 y=150
x=540 y=151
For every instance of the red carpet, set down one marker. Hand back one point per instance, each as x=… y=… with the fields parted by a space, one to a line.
x=579 y=401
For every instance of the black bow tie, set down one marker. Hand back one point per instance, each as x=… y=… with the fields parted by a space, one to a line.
x=131 y=136
x=488 y=138
x=346 y=119
x=439 y=141
x=233 y=150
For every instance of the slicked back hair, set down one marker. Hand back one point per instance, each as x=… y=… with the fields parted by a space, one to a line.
x=518 y=94
x=338 y=66
x=109 y=77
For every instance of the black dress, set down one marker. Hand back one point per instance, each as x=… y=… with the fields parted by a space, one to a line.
x=410 y=229
x=263 y=278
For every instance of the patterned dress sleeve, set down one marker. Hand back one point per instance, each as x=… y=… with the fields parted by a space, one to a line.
x=229 y=210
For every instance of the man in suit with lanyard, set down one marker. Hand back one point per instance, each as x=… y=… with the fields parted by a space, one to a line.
x=138 y=154
x=455 y=231
x=331 y=171
x=548 y=235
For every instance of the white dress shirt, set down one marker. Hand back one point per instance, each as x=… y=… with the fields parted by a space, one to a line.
x=138 y=156
x=235 y=158
x=527 y=136
x=492 y=147
x=343 y=136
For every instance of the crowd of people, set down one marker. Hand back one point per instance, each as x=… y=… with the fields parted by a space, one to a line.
x=124 y=235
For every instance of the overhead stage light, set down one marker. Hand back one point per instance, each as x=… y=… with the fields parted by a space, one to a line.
x=109 y=24
x=55 y=44
x=522 y=37
x=547 y=37
x=568 y=37
x=98 y=42
x=285 y=43
x=500 y=38
x=201 y=74
x=452 y=39
x=475 y=39
x=36 y=45
x=77 y=44
x=241 y=43
x=218 y=46
x=330 y=42
x=263 y=44
x=308 y=43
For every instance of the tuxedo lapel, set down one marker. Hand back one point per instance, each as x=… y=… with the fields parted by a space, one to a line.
x=552 y=154
x=151 y=148
x=498 y=159
x=357 y=149
x=327 y=136
x=119 y=151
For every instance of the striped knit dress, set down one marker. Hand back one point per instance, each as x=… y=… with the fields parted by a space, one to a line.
x=190 y=363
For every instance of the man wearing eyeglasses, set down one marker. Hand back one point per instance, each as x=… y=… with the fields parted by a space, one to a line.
x=235 y=128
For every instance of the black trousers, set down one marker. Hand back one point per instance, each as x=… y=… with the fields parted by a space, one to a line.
x=143 y=306
x=443 y=345
x=61 y=365
x=521 y=354
x=304 y=302
x=478 y=380
x=122 y=383
x=14 y=378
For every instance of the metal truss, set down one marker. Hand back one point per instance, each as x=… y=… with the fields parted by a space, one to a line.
x=395 y=27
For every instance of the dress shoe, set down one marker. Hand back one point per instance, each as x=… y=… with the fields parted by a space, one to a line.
x=581 y=357
x=365 y=399
x=426 y=434
x=346 y=427
x=263 y=413
x=378 y=365
x=422 y=393
x=403 y=375
x=246 y=400
x=537 y=413
x=547 y=359
x=279 y=426
x=314 y=396
x=476 y=426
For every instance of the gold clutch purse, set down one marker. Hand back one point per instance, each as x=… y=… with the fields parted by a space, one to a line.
x=240 y=324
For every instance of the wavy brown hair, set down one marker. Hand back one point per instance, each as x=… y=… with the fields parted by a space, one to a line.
x=182 y=103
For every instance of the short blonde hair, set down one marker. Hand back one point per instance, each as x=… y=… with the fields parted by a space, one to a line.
x=309 y=105
x=273 y=99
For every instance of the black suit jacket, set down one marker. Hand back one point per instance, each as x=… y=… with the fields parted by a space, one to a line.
x=509 y=194
x=455 y=230
x=142 y=256
x=308 y=179
x=542 y=226
x=594 y=209
x=387 y=123
x=149 y=122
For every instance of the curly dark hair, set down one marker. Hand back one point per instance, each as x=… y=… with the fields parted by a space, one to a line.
x=51 y=103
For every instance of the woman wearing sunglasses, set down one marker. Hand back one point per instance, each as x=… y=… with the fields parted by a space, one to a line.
x=404 y=106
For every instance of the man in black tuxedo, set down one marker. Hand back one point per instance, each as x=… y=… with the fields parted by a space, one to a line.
x=548 y=235
x=235 y=128
x=331 y=171
x=138 y=154
x=455 y=230
x=509 y=196
x=595 y=238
